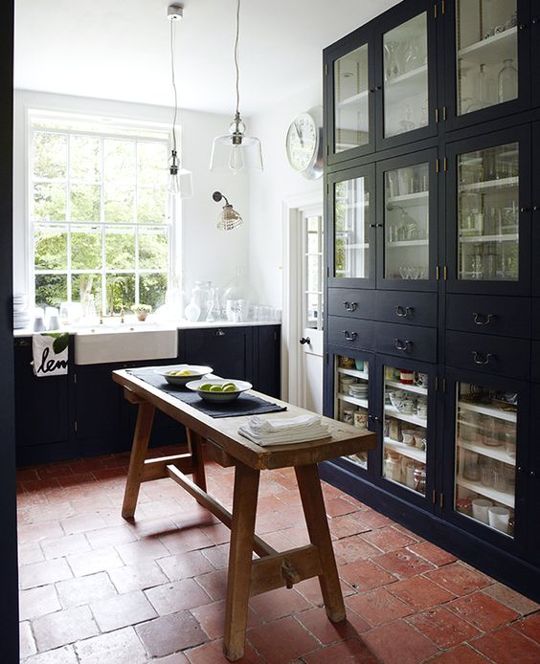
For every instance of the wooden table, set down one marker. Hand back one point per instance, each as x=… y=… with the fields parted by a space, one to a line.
x=223 y=443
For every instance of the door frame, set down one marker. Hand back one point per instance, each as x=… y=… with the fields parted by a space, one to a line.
x=294 y=208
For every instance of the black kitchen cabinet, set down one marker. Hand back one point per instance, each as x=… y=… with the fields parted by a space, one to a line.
x=434 y=272
x=266 y=360
x=228 y=350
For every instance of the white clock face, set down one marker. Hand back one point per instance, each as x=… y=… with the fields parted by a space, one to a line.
x=302 y=142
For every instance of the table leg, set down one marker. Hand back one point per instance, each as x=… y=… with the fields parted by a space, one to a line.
x=141 y=438
x=196 y=448
x=246 y=487
x=317 y=524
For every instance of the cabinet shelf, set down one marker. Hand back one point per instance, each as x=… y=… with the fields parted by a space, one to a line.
x=363 y=403
x=492 y=50
x=502 y=497
x=405 y=450
x=506 y=415
x=503 y=183
x=411 y=419
x=497 y=453
x=354 y=100
x=408 y=243
x=415 y=77
x=420 y=198
x=470 y=239
x=408 y=388
x=353 y=372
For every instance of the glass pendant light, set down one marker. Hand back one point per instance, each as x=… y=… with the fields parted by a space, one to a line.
x=229 y=218
x=235 y=151
x=180 y=180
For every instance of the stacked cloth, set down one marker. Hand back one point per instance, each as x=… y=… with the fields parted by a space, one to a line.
x=299 y=429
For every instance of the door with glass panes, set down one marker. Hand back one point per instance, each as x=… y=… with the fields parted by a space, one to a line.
x=407 y=222
x=407 y=424
x=489 y=213
x=488 y=70
x=486 y=448
x=351 y=236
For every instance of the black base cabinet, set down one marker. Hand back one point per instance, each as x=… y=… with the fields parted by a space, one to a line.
x=84 y=413
x=432 y=324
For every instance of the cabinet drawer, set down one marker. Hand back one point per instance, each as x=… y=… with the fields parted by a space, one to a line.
x=536 y=318
x=353 y=303
x=497 y=355
x=484 y=314
x=346 y=332
x=409 y=308
x=416 y=343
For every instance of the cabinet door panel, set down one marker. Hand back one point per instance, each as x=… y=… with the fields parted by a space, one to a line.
x=489 y=354
x=351 y=303
x=484 y=314
x=350 y=333
x=224 y=349
x=534 y=478
x=406 y=308
x=409 y=342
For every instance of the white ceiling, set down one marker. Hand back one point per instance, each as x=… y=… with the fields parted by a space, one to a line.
x=118 y=49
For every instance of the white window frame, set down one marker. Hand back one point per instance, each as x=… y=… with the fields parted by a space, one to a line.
x=134 y=131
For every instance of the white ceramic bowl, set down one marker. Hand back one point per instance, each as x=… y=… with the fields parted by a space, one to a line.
x=219 y=397
x=196 y=372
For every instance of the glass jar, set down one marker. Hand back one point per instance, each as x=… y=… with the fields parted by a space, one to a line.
x=508 y=81
x=420 y=479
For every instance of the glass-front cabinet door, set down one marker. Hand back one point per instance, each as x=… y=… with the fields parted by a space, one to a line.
x=489 y=214
x=352 y=234
x=490 y=61
x=350 y=99
x=406 y=93
x=407 y=237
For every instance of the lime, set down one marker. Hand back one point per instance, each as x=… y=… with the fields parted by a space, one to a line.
x=230 y=387
x=216 y=388
x=206 y=387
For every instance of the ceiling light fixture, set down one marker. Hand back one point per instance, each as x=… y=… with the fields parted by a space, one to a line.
x=236 y=151
x=229 y=218
x=180 y=181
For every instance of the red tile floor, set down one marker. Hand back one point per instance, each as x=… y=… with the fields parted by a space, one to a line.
x=96 y=589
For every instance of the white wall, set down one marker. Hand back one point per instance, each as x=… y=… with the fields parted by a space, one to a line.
x=269 y=189
x=209 y=254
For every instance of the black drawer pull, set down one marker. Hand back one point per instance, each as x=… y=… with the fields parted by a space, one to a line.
x=350 y=306
x=404 y=312
x=350 y=336
x=404 y=346
x=305 y=340
x=483 y=319
x=482 y=358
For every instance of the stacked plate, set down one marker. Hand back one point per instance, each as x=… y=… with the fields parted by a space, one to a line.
x=21 y=315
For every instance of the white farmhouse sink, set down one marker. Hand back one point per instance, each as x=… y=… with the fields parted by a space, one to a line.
x=103 y=344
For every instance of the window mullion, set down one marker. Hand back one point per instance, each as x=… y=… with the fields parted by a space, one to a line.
x=104 y=311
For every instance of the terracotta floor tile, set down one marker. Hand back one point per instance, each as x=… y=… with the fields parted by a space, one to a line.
x=352 y=549
x=459 y=579
x=311 y=590
x=218 y=555
x=404 y=563
x=185 y=539
x=378 y=606
x=64 y=655
x=185 y=565
x=212 y=653
x=443 y=627
x=143 y=575
x=387 y=539
x=434 y=554
x=463 y=654
x=177 y=596
x=30 y=553
x=217 y=533
x=64 y=627
x=482 y=611
x=133 y=552
x=339 y=506
x=37 y=602
x=211 y=617
x=40 y=574
x=122 y=610
x=214 y=583
x=82 y=523
x=170 y=633
x=148 y=528
x=98 y=560
x=530 y=627
x=420 y=593
x=351 y=651
x=39 y=531
x=110 y=536
x=27 y=645
x=365 y=575
x=63 y=546
x=176 y=658
x=123 y=645
x=278 y=603
x=347 y=525
x=283 y=540
x=86 y=589
x=317 y=622
x=399 y=643
x=282 y=640
x=512 y=599
x=508 y=646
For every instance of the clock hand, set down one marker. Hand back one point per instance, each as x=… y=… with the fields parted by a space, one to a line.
x=299 y=133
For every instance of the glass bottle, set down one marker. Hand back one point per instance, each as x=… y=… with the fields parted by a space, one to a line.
x=508 y=81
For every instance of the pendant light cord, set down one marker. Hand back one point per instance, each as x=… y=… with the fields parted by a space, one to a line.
x=236 y=65
x=173 y=81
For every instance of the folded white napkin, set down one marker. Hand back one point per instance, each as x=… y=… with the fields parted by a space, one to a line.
x=299 y=429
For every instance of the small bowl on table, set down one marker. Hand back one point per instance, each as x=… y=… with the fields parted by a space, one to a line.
x=184 y=373
x=219 y=390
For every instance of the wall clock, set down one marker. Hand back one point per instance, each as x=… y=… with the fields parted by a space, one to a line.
x=304 y=144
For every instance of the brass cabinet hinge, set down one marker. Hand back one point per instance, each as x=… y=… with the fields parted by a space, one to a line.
x=437 y=166
x=436 y=116
x=443 y=7
x=445 y=164
x=444 y=113
x=435 y=10
x=326 y=70
x=445 y=273
x=75 y=378
x=437 y=273
x=434 y=497
x=75 y=426
x=443 y=384
x=436 y=383
x=441 y=500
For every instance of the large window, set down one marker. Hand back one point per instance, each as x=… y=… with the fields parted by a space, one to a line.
x=98 y=213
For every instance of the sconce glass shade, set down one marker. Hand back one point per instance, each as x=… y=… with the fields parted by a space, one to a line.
x=229 y=219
